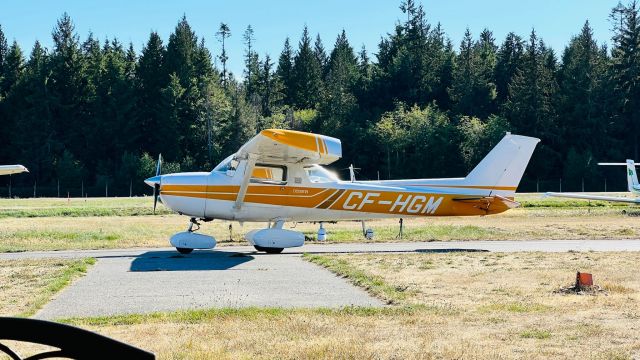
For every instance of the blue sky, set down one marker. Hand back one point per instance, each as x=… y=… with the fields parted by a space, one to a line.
x=365 y=21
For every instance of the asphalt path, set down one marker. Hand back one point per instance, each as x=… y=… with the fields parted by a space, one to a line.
x=160 y=279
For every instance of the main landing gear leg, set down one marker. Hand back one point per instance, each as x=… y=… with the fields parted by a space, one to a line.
x=190 y=229
x=272 y=250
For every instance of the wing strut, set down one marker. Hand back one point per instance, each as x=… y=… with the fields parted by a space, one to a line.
x=244 y=186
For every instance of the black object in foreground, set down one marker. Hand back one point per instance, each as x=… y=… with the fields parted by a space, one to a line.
x=72 y=342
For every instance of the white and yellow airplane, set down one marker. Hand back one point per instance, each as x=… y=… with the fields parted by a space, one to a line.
x=632 y=184
x=277 y=176
x=12 y=169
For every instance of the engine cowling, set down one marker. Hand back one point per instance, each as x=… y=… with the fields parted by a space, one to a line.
x=275 y=238
x=191 y=240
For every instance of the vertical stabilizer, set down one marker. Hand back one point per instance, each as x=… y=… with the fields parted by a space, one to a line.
x=632 y=177
x=504 y=166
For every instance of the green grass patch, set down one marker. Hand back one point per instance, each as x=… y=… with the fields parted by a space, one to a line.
x=206 y=315
x=515 y=307
x=535 y=334
x=79 y=212
x=422 y=233
x=373 y=284
x=72 y=271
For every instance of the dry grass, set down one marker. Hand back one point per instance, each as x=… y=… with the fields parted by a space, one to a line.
x=505 y=305
x=26 y=285
x=97 y=232
x=453 y=306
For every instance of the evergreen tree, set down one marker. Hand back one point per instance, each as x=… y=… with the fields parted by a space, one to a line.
x=270 y=88
x=473 y=89
x=307 y=75
x=581 y=94
x=4 y=50
x=69 y=90
x=181 y=53
x=626 y=74
x=252 y=67
x=338 y=104
x=33 y=136
x=530 y=108
x=151 y=78
x=285 y=72
x=321 y=55
x=224 y=32
x=509 y=61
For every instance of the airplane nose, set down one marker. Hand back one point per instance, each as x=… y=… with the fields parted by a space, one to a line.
x=152 y=181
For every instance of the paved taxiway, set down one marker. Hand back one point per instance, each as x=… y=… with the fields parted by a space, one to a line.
x=160 y=279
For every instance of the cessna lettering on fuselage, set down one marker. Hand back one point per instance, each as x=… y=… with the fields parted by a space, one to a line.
x=409 y=204
x=278 y=177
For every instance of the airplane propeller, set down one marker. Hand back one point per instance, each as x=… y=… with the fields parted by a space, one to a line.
x=156 y=185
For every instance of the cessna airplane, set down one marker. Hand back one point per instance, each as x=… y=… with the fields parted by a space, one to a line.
x=277 y=176
x=632 y=183
x=12 y=169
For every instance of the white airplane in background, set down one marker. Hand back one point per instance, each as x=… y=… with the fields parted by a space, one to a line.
x=277 y=177
x=12 y=169
x=632 y=183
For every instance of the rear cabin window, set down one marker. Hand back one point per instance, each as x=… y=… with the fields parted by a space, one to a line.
x=269 y=174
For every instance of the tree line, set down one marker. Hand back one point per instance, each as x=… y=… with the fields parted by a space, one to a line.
x=96 y=114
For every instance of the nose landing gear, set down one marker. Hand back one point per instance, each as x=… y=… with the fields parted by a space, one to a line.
x=185 y=242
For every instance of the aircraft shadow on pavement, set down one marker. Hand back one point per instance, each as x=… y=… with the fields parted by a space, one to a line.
x=196 y=261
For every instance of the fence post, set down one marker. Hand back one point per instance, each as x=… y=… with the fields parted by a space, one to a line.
x=9 y=186
x=560 y=184
x=605 y=184
x=130 y=187
x=106 y=188
x=34 y=188
x=82 y=189
x=582 y=184
x=58 y=187
x=537 y=185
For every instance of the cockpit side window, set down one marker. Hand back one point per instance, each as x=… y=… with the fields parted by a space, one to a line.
x=269 y=174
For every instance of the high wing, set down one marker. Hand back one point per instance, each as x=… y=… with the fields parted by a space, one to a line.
x=12 y=169
x=277 y=146
x=594 y=197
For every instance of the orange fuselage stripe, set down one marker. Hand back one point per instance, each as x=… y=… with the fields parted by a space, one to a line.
x=385 y=202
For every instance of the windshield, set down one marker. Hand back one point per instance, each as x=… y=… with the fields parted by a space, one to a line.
x=318 y=174
x=224 y=164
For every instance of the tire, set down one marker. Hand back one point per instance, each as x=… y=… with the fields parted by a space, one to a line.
x=184 y=250
x=269 y=250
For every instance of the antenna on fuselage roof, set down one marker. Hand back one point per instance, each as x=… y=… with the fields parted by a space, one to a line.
x=352 y=173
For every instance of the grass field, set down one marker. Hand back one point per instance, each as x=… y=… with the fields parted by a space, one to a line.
x=27 y=285
x=444 y=306
x=98 y=223
x=441 y=305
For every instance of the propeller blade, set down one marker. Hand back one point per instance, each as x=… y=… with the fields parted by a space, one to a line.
x=156 y=193
x=159 y=167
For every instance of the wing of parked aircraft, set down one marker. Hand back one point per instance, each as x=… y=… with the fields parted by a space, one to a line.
x=632 y=184
x=12 y=169
x=291 y=147
x=594 y=197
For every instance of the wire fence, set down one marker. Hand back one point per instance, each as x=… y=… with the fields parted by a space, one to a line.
x=80 y=190
x=138 y=188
